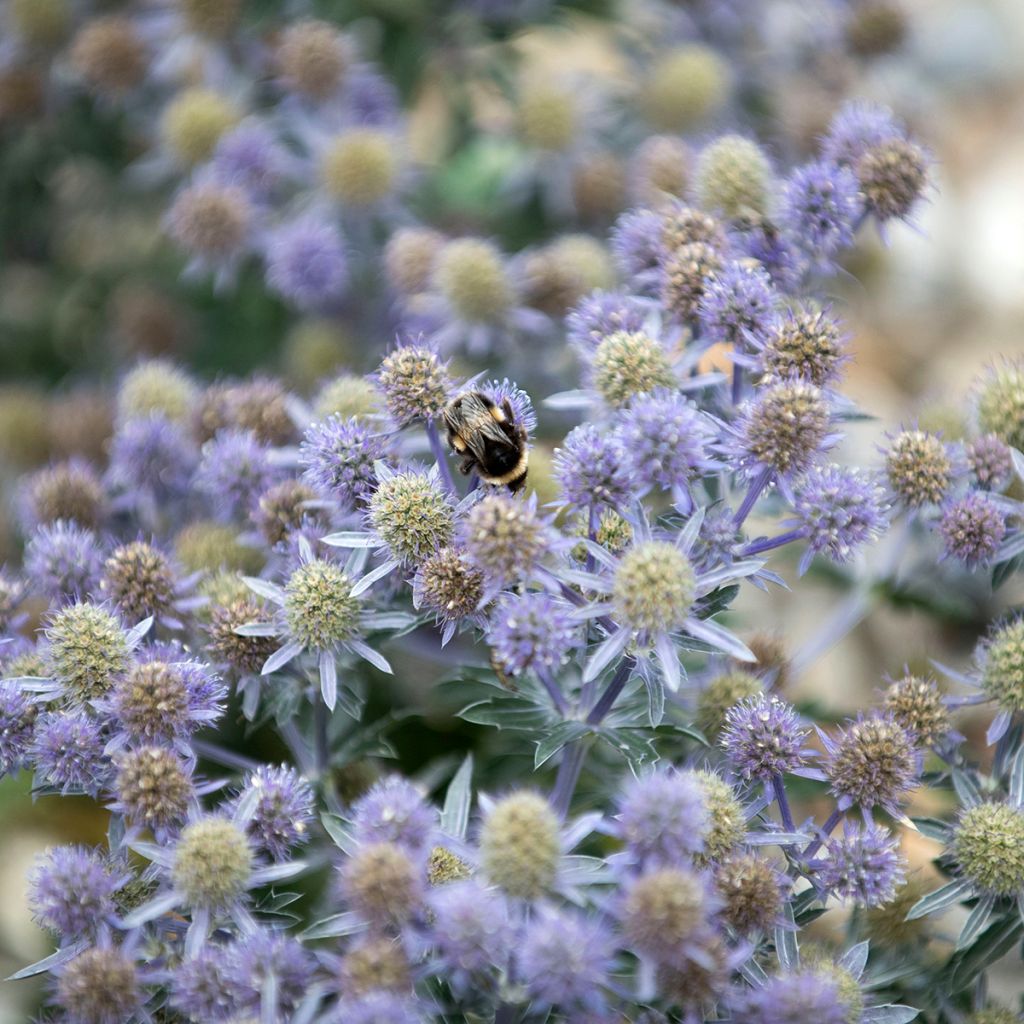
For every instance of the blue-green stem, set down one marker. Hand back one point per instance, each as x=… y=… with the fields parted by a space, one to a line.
x=779 y=789
x=568 y=775
x=440 y=457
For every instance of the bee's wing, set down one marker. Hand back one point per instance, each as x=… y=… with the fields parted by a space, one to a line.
x=478 y=429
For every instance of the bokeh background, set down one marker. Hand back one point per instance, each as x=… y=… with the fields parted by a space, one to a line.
x=88 y=284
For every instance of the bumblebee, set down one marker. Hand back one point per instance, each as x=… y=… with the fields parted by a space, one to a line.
x=489 y=439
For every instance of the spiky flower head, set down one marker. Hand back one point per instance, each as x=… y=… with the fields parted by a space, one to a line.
x=71 y=891
x=284 y=508
x=654 y=587
x=246 y=654
x=864 y=864
x=719 y=694
x=972 y=528
x=602 y=313
x=212 y=862
x=664 y=908
x=139 y=579
x=17 y=723
x=68 y=752
x=919 y=468
x=664 y=440
x=887 y=926
x=819 y=206
x=345 y=395
x=268 y=960
x=988 y=846
x=205 y=545
x=565 y=958
x=988 y=458
x=472 y=932
x=307 y=264
x=66 y=490
x=794 y=998
x=282 y=809
x=764 y=738
x=626 y=364
x=505 y=538
x=727 y=823
x=751 y=890
x=375 y=965
x=62 y=560
x=803 y=344
x=339 y=457
x=193 y=123
x=312 y=57
x=394 y=811
x=685 y=87
x=547 y=114
x=686 y=273
x=109 y=56
x=99 y=986
x=1002 y=666
x=660 y=168
x=917 y=705
x=839 y=509
x=1001 y=403
x=211 y=220
x=785 y=426
x=251 y=158
x=873 y=762
x=637 y=246
x=258 y=406
x=662 y=817
x=520 y=845
x=893 y=176
x=359 y=168
x=470 y=273
x=409 y=259
x=733 y=177
x=738 y=301
x=156 y=387
x=589 y=468
x=531 y=630
x=211 y=18
x=448 y=585
x=319 y=608
x=153 y=787
x=87 y=649
x=152 y=456
x=411 y=514
x=414 y=382
x=382 y=883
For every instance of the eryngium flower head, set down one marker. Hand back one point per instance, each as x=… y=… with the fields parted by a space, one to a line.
x=604 y=313
x=719 y=694
x=994 y=1015
x=139 y=579
x=919 y=468
x=67 y=490
x=152 y=457
x=637 y=246
x=100 y=986
x=686 y=273
x=531 y=630
x=109 y=56
x=62 y=560
x=246 y=654
x=312 y=57
x=520 y=845
x=564 y=959
x=751 y=889
x=409 y=259
x=68 y=752
x=654 y=587
x=547 y=114
x=199 y=987
x=988 y=846
x=764 y=738
x=806 y=994
x=659 y=170
x=284 y=508
x=259 y=405
x=855 y=129
x=359 y=167
x=448 y=585
x=663 y=440
x=211 y=221
x=727 y=822
x=212 y=863
x=411 y=514
x=590 y=468
x=153 y=787
x=918 y=706
x=268 y=961
x=784 y=427
x=383 y=884
x=17 y=723
x=375 y=965
x=251 y=158
x=803 y=344
x=470 y=273
x=663 y=910
x=988 y=458
x=838 y=510
x=339 y=457
x=626 y=364
x=346 y=395
x=193 y=123
x=71 y=891
x=505 y=538
x=734 y=177
x=1001 y=403
x=307 y=264
x=864 y=864
x=972 y=529
x=282 y=808
x=737 y=302
x=234 y=471
x=684 y=87
x=886 y=926
x=819 y=206
x=1002 y=666
x=415 y=384
x=662 y=817
x=394 y=811
x=893 y=176
x=87 y=650
x=874 y=762
x=472 y=932
x=319 y=608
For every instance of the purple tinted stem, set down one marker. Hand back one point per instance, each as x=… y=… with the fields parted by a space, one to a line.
x=757 y=485
x=554 y=690
x=568 y=775
x=768 y=543
x=611 y=693
x=783 y=801
x=440 y=456
x=826 y=830
x=737 y=383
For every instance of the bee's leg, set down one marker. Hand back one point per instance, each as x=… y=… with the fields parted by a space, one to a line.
x=509 y=425
x=467 y=464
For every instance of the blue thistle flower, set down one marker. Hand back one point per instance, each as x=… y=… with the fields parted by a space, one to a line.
x=71 y=891
x=200 y=987
x=265 y=961
x=151 y=463
x=63 y=560
x=532 y=630
x=764 y=738
x=472 y=933
x=604 y=313
x=339 y=457
x=394 y=811
x=864 y=864
x=18 y=713
x=282 y=809
x=590 y=470
x=637 y=246
x=820 y=206
x=737 y=302
x=972 y=528
x=662 y=817
x=68 y=752
x=307 y=264
x=250 y=157
x=234 y=472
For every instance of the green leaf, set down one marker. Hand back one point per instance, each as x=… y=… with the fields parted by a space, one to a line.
x=337 y=924
x=636 y=746
x=557 y=737
x=993 y=944
x=933 y=828
x=457 y=801
x=506 y=713
x=339 y=832
x=718 y=600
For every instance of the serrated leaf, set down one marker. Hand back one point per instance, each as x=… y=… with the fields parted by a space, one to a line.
x=457 y=801
x=718 y=600
x=993 y=944
x=635 y=746
x=558 y=736
x=506 y=713
x=939 y=900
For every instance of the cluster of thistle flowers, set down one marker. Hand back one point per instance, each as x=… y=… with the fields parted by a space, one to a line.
x=240 y=537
